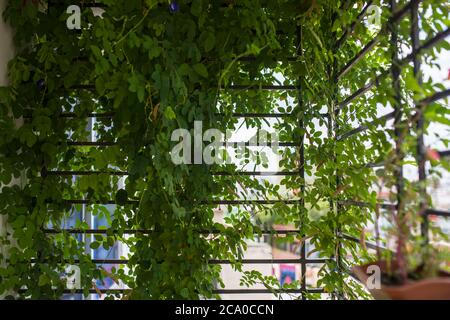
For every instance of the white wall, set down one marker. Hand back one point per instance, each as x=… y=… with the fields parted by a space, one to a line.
x=6 y=53
x=6 y=46
x=231 y=278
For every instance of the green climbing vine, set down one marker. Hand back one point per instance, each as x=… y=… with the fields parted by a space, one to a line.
x=154 y=67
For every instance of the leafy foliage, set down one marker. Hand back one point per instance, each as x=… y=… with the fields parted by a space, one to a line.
x=156 y=69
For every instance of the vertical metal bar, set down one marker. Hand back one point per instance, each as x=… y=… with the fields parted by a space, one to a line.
x=420 y=156
x=400 y=130
x=333 y=129
x=330 y=131
x=330 y=201
x=301 y=173
x=85 y=209
x=395 y=70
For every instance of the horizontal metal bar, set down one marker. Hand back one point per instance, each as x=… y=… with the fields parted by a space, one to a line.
x=241 y=59
x=358 y=93
x=374 y=165
x=91 y=143
x=277 y=291
x=368 y=244
x=430 y=43
x=234 y=115
x=401 y=12
x=261 y=87
x=435 y=97
x=358 y=57
x=351 y=274
x=216 y=291
x=224 y=144
x=252 y=58
x=147 y=231
x=436 y=212
x=223 y=4
x=366 y=204
x=257 y=173
x=365 y=127
x=82 y=4
x=99 y=202
x=429 y=100
x=89 y=115
x=125 y=173
x=256 y=202
x=260 y=115
x=445 y=153
x=268 y=115
x=222 y=262
x=348 y=31
x=425 y=46
x=74 y=115
x=211 y=202
x=230 y=87
x=372 y=43
x=84 y=173
x=112 y=114
x=212 y=261
x=266 y=144
x=272 y=261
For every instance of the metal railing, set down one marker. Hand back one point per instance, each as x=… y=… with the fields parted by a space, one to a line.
x=388 y=29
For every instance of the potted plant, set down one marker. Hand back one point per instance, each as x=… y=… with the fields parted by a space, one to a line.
x=410 y=267
x=416 y=286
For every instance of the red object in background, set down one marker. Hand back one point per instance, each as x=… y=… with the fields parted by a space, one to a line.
x=432 y=155
x=448 y=78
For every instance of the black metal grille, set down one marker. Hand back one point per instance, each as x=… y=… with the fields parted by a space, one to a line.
x=389 y=29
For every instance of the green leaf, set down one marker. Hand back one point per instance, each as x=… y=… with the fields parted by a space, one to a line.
x=169 y=113
x=43 y=280
x=94 y=245
x=121 y=197
x=210 y=41
x=27 y=136
x=184 y=293
x=152 y=47
x=137 y=84
x=139 y=166
x=110 y=241
x=196 y=7
x=184 y=69
x=96 y=51
x=201 y=69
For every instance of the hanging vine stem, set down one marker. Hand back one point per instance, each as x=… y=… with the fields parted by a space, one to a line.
x=146 y=12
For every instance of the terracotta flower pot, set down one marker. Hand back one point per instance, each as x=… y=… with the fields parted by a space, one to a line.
x=437 y=288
